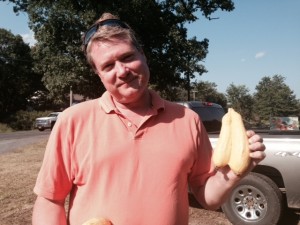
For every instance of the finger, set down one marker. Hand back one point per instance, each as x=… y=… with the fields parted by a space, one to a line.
x=257 y=146
x=258 y=155
x=250 y=133
x=255 y=138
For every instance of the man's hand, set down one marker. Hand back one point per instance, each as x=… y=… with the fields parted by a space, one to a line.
x=256 y=147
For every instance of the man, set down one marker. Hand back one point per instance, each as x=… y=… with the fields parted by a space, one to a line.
x=128 y=156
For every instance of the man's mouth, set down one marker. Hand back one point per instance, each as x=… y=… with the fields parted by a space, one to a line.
x=127 y=81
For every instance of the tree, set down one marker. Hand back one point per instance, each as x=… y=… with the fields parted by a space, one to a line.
x=17 y=79
x=207 y=91
x=274 y=98
x=194 y=51
x=241 y=100
x=58 y=26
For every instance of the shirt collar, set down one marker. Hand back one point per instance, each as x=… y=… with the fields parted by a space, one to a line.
x=107 y=104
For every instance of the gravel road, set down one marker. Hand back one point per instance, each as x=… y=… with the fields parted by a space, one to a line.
x=19 y=139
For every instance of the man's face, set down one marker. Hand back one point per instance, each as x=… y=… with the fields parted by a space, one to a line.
x=122 y=69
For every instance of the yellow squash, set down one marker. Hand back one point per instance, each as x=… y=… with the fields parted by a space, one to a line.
x=232 y=147
x=221 y=154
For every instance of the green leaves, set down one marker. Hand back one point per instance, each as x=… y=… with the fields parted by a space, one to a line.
x=274 y=98
x=241 y=100
x=207 y=91
x=17 y=80
x=173 y=58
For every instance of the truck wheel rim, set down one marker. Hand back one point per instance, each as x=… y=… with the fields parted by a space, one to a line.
x=249 y=203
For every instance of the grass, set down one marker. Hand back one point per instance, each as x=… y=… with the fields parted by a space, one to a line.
x=4 y=128
x=18 y=172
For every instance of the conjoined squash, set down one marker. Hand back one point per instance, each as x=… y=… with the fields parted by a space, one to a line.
x=232 y=147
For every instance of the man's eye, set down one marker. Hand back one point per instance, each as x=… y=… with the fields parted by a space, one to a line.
x=128 y=58
x=108 y=67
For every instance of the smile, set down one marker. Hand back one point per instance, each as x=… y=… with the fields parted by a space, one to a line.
x=127 y=82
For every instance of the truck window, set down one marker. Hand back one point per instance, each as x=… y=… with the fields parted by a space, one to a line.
x=211 y=117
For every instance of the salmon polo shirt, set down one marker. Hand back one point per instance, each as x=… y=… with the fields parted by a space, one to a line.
x=129 y=175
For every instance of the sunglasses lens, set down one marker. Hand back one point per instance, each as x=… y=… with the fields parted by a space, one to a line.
x=90 y=33
x=114 y=23
x=110 y=22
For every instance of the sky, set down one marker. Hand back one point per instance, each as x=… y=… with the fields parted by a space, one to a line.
x=258 y=38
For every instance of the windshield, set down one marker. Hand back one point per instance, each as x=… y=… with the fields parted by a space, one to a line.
x=52 y=115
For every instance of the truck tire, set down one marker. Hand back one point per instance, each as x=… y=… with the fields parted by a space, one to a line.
x=256 y=200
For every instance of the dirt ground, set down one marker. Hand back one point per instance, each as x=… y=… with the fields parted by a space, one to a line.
x=199 y=216
x=18 y=171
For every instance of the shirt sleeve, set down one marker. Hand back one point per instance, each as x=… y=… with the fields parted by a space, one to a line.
x=203 y=167
x=55 y=180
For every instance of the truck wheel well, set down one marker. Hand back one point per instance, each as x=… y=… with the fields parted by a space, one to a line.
x=272 y=173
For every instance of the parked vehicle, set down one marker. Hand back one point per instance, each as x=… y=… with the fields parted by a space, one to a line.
x=210 y=113
x=261 y=197
x=46 y=122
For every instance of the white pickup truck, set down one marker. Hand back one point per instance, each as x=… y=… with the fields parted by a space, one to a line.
x=46 y=122
x=261 y=197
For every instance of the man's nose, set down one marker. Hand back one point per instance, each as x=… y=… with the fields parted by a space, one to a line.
x=121 y=69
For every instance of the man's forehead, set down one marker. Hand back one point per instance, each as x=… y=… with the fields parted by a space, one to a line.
x=112 y=41
x=111 y=48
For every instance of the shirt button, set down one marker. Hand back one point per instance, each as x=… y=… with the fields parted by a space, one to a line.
x=129 y=124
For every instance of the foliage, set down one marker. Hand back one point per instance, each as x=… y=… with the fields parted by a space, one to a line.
x=17 y=80
x=274 y=98
x=200 y=91
x=241 y=100
x=207 y=91
x=24 y=120
x=41 y=101
x=194 y=51
x=173 y=58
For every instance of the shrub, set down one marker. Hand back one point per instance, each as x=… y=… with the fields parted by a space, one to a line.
x=24 y=120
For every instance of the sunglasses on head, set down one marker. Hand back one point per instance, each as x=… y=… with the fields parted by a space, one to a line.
x=93 y=29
